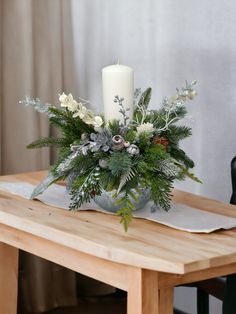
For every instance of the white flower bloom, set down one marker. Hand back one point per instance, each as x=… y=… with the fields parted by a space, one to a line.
x=63 y=98
x=97 y=121
x=68 y=102
x=88 y=119
x=81 y=111
x=145 y=127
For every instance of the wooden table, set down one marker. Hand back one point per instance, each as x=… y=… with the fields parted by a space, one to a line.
x=147 y=262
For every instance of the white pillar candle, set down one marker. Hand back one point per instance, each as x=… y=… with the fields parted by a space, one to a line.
x=117 y=80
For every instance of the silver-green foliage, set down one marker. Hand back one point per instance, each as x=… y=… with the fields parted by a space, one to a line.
x=92 y=162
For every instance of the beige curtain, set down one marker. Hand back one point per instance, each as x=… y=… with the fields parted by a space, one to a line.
x=36 y=60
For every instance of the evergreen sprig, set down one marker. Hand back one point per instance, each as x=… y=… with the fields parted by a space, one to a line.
x=126 y=210
x=125 y=156
x=161 y=187
x=71 y=127
x=48 y=142
x=84 y=188
x=177 y=133
x=119 y=164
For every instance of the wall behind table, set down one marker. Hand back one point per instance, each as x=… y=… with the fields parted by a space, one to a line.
x=167 y=42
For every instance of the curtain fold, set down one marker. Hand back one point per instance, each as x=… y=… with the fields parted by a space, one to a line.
x=35 y=60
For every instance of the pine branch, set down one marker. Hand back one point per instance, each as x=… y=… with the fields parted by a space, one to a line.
x=169 y=168
x=119 y=163
x=176 y=133
x=114 y=127
x=48 y=142
x=71 y=127
x=63 y=153
x=155 y=153
x=161 y=188
x=189 y=174
x=181 y=156
x=84 y=188
x=108 y=181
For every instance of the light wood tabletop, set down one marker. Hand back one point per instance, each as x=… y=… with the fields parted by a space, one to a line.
x=147 y=261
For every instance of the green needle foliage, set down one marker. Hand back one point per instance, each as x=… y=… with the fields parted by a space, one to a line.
x=125 y=156
x=49 y=141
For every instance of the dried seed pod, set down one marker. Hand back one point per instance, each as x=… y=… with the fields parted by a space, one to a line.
x=118 y=142
x=126 y=144
x=133 y=149
x=117 y=139
x=161 y=140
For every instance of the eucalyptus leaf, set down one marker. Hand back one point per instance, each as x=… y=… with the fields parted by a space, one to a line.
x=44 y=184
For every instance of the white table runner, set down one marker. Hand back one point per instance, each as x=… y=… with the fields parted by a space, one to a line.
x=180 y=216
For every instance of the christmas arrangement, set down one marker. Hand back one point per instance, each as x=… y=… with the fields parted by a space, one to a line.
x=130 y=152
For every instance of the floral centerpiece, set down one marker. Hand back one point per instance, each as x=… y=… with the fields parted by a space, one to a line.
x=124 y=157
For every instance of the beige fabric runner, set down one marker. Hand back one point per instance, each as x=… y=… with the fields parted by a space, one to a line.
x=180 y=216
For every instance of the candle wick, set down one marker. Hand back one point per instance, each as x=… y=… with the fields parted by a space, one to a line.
x=118 y=61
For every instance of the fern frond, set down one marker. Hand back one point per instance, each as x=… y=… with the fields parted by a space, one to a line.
x=126 y=211
x=125 y=178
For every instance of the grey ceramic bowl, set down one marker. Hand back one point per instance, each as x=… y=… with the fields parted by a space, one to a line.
x=107 y=202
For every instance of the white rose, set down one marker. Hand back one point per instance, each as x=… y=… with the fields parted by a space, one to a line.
x=145 y=127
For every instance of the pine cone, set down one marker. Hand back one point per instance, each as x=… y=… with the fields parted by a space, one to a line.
x=161 y=140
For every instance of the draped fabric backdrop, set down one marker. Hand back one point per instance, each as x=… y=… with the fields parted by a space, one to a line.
x=35 y=60
x=167 y=42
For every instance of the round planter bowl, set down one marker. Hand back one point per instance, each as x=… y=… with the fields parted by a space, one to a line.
x=107 y=202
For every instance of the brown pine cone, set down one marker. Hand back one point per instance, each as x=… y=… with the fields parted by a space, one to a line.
x=161 y=140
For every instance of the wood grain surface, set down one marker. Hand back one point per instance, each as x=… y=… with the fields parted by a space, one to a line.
x=146 y=245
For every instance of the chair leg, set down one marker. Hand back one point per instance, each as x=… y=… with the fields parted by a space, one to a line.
x=202 y=302
x=176 y=311
x=229 y=303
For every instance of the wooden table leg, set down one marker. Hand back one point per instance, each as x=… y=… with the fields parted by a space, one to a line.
x=143 y=292
x=166 y=298
x=8 y=279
